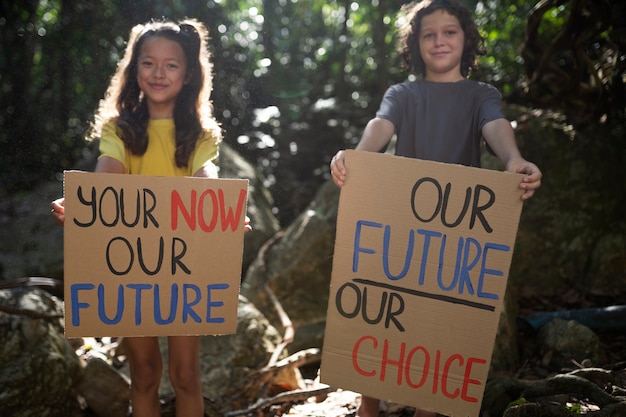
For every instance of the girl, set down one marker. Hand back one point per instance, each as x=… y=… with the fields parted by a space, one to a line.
x=156 y=119
x=442 y=116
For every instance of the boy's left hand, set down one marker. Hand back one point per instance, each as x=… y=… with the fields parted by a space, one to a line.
x=532 y=181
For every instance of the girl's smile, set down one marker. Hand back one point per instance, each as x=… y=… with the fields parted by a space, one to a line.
x=161 y=74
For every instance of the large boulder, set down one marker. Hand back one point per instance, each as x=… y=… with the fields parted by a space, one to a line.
x=260 y=202
x=572 y=232
x=296 y=267
x=39 y=370
x=32 y=243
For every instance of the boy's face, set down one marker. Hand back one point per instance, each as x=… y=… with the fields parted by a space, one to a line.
x=161 y=74
x=441 y=42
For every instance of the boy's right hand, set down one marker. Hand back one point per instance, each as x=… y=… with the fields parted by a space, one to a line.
x=338 y=168
x=58 y=210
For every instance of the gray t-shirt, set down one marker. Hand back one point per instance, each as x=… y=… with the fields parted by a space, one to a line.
x=441 y=121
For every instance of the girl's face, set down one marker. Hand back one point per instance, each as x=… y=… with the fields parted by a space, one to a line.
x=441 y=42
x=161 y=74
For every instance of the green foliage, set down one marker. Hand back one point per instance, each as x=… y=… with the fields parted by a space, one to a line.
x=519 y=401
x=323 y=65
x=502 y=24
x=318 y=65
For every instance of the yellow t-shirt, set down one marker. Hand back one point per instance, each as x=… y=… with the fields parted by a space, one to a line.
x=159 y=157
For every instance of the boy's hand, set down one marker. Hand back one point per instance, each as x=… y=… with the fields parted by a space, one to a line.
x=532 y=180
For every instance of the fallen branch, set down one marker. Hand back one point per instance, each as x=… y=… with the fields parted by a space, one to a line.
x=282 y=398
x=267 y=373
x=285 y=321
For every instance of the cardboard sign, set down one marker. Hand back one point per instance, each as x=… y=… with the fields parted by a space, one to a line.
x=150 y=256
x=420 y=268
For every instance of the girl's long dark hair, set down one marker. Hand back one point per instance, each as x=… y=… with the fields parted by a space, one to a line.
x=193 y=113
x=408 y=40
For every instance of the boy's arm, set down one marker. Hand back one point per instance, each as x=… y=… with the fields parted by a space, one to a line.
x=376 y=136
x=500 y=137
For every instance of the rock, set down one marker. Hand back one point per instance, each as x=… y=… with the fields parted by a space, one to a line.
x=105 y=390
x=562 y=342
x=39 y=370
x=505 y=356
x=260 y=203
x=35 y=246
x=297 y=268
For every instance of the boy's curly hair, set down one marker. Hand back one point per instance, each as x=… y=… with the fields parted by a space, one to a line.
x=408 y=40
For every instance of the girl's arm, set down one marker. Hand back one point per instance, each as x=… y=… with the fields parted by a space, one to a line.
x=500 y=137
x=208 y=170
x=109 y=165
x=58 y=210
x=376 y=136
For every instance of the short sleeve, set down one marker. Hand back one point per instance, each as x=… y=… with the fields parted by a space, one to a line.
x=111 y=144
x=491 y=105
x=206 y=152
x=391 y=105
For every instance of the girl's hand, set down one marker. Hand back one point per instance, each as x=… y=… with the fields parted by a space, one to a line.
x=338 y=168
x=58 y=210
x=532 y=180
x=247 y=227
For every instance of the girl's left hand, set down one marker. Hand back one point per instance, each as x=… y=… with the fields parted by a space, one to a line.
x=247 y=227
x=58 y=210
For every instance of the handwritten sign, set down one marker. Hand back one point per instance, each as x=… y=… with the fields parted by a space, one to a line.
x=149 y=256
x=420 y=268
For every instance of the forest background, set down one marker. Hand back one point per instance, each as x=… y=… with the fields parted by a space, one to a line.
x=295 y=81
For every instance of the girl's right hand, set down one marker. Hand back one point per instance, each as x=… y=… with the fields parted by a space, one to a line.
x=58 y=210
x=338 y=168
